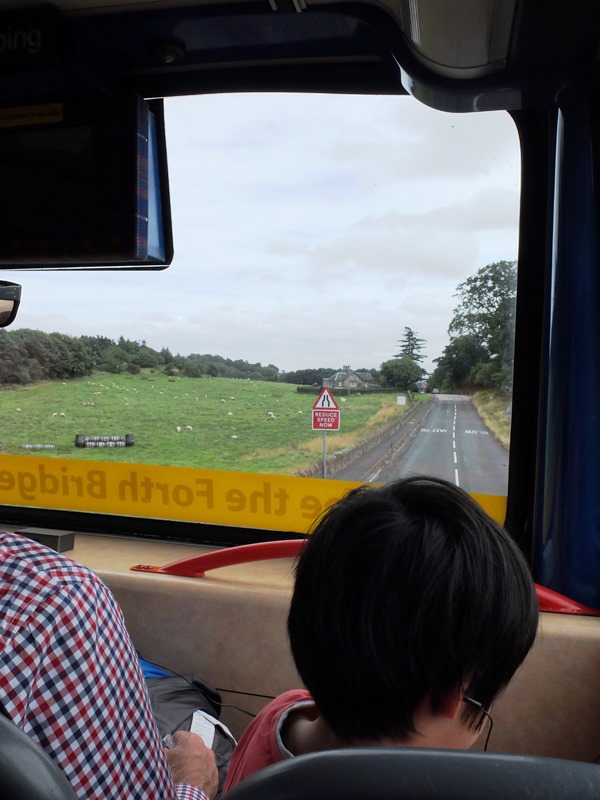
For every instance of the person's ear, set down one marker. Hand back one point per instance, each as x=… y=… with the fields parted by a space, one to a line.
x=450 y=702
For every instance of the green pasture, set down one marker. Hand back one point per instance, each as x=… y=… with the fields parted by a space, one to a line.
x=231 y=425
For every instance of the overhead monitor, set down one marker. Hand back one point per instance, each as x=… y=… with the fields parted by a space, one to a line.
x=85 y=185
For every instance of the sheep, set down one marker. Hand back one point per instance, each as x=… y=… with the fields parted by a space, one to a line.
x=233 y=436
x=55 y=414
x=301 y=412
x=271 y=415
x=178 y=429
x=62 y=414
x=18 y=410
x=230 y=413
x=189 y=428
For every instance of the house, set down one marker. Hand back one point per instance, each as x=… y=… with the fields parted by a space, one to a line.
x=349 y=380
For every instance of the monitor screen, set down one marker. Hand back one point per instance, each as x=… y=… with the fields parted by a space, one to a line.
x=84 y=185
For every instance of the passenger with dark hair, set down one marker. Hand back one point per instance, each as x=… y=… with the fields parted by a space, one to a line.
x=410 y=613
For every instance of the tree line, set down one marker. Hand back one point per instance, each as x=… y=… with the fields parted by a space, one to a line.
x=28 y=356
x=480 y=352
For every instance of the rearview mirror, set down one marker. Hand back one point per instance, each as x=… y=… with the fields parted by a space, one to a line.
x=10 y=297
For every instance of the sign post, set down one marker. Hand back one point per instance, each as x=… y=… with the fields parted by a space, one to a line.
x=325 y=417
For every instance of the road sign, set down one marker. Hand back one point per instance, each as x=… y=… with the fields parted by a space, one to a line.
x=325 y=413
x=325 y=401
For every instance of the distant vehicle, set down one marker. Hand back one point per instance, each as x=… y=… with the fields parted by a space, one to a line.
x=435 y=391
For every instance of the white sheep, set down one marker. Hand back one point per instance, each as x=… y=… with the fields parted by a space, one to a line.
x=55 y=414
x=189 y=428
x=62 y=414
x=178 y=429
x=230 y=413
x=18 y=410
x=233 y=436
x=271 y=415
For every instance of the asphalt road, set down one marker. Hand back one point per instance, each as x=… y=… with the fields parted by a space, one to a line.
x=452 y=442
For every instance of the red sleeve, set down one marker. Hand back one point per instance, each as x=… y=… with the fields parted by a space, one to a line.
x=258 y=746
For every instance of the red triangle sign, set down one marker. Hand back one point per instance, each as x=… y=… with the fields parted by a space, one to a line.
x=325 y=401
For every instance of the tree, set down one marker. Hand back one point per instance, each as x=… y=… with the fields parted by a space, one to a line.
x=402 y=373
x=486 y=309
x=481 y=332
x=456 y=366
x=194 y=368
x=13 y=360
x=411 y=346
x=307 y=377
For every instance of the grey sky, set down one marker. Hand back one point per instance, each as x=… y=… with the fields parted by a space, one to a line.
x=309 y=231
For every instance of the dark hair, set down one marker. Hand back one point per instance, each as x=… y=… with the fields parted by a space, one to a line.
x=406 y=591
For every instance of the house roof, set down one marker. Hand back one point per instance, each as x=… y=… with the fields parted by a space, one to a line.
x=340 y=376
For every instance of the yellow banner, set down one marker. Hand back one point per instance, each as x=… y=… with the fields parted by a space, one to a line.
x=250 y=500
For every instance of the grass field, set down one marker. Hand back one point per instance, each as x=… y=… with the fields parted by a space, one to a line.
x=492 y=407
x=229 y=417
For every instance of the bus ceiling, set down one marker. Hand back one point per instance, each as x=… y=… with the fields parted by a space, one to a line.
x=455 y=55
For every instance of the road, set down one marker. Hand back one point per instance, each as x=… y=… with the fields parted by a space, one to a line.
x=452 y=442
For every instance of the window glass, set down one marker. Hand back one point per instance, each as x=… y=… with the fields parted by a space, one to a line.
x=362 y=245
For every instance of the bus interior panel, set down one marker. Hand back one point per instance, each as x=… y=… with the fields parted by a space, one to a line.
x=535 y=64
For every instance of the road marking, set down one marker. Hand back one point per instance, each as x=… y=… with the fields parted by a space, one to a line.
x=456 y=481
x=372 y=477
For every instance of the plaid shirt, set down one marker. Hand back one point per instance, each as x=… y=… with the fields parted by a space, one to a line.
x=70 y=677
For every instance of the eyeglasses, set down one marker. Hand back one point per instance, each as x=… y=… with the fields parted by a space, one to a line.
x=485 y=714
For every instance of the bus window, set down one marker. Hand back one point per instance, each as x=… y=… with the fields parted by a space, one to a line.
x=339 y=309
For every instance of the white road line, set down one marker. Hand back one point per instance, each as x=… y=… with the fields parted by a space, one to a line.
x=456 y=481
x=372 y=477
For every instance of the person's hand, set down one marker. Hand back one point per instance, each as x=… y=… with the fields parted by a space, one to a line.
x=191 y=761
